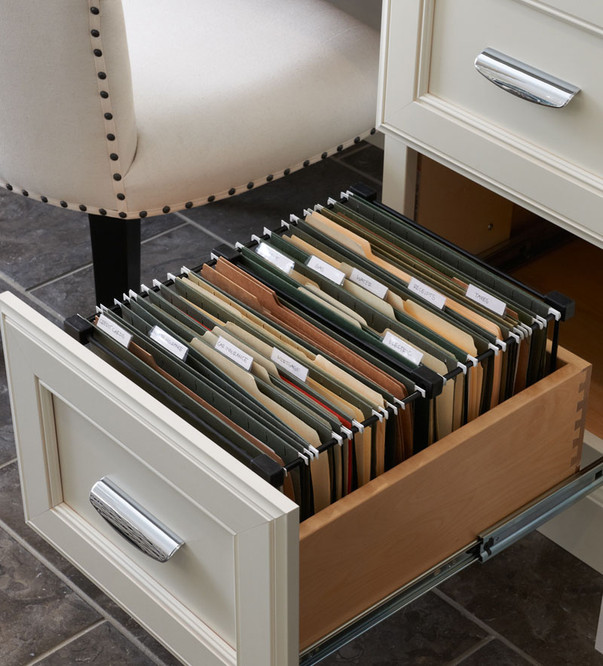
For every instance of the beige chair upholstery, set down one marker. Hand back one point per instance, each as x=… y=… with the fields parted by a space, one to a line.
x=129 y=108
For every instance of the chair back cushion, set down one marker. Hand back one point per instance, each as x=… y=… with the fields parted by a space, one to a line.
x=65 y=87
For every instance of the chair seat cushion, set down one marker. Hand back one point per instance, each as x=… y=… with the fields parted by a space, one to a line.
x=227 y=93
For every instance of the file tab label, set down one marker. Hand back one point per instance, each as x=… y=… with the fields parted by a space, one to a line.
x=326 y=270
x=275 y=257
x=487 y=300
x=368 y=283
x=232 y=352
x=401 y=347
x=114 y=330
x=289 y=364
x=168 y=342
x=427 y=293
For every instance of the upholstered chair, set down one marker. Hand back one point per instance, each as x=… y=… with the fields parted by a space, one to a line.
x=126 y=109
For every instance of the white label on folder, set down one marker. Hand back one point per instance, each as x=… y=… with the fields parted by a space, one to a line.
x=369 y=283
x=275 y=257
x=114 y=330
x=168 y=342
x=403 y=348
x=427 y=293
x=326 y=270
x=289 y=364
x=234 y=353
x=487 y=300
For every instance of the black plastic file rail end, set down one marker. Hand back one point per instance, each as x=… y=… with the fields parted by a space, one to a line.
x=563 y=304
x=225 y=251
x=428 y=380
x=268 y=469
x=79 y=328
x=364 y=191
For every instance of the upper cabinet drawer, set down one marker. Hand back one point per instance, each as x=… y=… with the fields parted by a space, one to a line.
x=548 y=159
x=463 y=28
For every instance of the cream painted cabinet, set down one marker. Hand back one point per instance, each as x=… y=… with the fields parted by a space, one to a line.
x=433 y=100
x=250 y=585
x=229 y=594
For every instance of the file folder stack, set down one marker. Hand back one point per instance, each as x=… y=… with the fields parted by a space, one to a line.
x=331 y=349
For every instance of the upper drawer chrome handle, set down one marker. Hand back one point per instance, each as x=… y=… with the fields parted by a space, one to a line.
x=133 y=522
x=523 y=80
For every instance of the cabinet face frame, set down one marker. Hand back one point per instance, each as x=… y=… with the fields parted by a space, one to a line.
x=43 y=362
x=483 y=151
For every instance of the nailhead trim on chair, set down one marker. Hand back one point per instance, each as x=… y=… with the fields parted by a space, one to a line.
x=188 y=204
x=113 y=148
x=106 y=108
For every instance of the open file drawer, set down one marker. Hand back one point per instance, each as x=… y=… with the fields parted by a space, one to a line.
x=250 y=585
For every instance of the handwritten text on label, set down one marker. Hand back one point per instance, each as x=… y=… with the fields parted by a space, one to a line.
x=168 y=342
x=290 y=364
x=275 y=257
x=403 y=348
x=326 y=270
x=427 y=293
x=234 y=353
x=114 y=330
x=369 y=283
x=487 y=300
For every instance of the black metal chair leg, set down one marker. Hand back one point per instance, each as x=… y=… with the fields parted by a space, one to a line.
x=115 y=256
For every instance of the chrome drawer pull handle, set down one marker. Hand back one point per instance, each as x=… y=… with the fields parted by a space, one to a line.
x=523 y=80
x=133 y=522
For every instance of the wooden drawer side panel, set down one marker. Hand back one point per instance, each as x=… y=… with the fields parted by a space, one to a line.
x=372 y=542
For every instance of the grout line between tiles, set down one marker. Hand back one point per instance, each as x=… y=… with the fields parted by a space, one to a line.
x=57 y=278
x=6 y=464
x=25 y=292
x=484 y=626
x=471 y=651
x=374 y=180
x=84 y=267
x=203 y=229
x=164 y=233
x=80 y=593
x=64 y=643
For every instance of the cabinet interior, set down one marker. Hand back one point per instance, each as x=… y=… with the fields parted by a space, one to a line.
x=535 y=251
x=576 y=269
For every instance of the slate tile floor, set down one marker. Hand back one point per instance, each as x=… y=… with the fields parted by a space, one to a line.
x=533 y=604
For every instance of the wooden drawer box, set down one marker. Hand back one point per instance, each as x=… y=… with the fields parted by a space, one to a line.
x=249 y=579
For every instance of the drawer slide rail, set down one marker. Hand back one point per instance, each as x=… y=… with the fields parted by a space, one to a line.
x=488 y=544
x=538 y=512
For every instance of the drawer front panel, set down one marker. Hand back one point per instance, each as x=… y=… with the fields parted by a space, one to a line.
x=463 y=28
x=229 y=594
x=548 y=160
x=200 y=574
